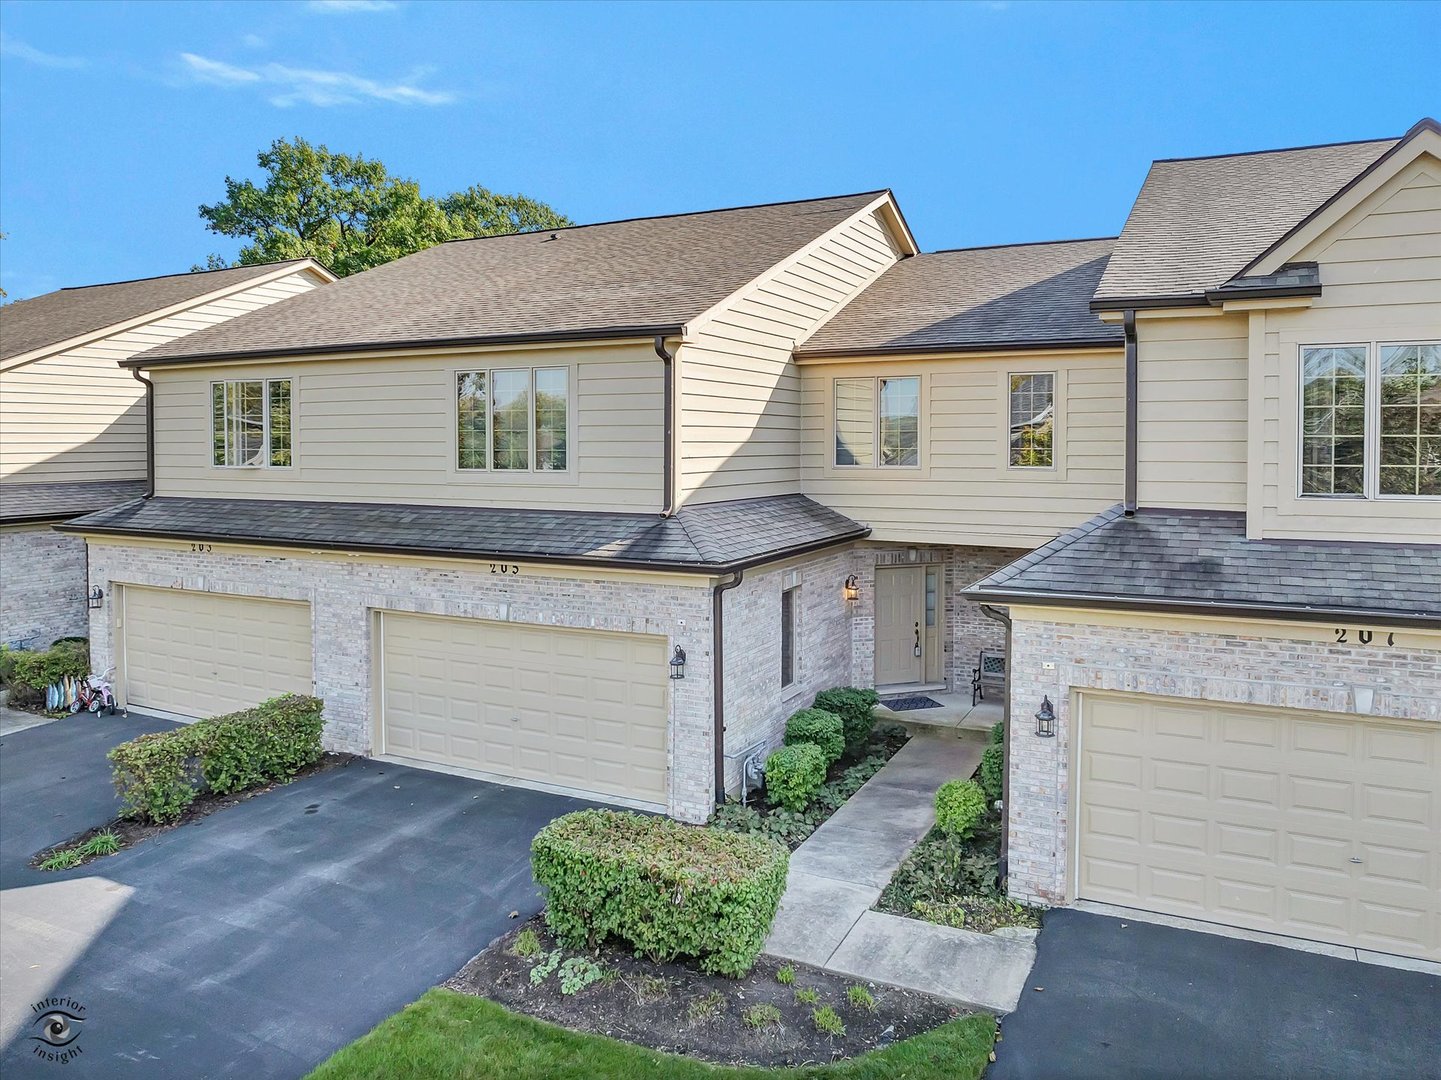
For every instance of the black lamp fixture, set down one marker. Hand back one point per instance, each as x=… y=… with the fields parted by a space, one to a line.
x=95 y=598
x=677 y=663
x=853 y=587
x=1046 y=719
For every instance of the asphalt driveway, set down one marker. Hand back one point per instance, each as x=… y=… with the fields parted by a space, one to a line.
x=261 y=939
x=1124 y=999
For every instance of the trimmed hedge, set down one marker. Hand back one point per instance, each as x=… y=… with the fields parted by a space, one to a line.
x=794 y=774
x=35 y=670
x=160 y=774
x=666 y=889
x=960 y=806
x=998 y=733
x=993 y=771
x=819 y=728
x=856 y=708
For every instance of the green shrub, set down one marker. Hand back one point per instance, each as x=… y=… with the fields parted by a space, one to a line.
x=819 y=728
x=861 y=998
x=158 y=775
x=827 y=1020
x=794 y=774
x=38 y=669
x=7 y=665
x=808 y=995
x=856 y=708
x=577 y=973
x=664 y=888
x=62 y=860
x=785 y=975
x=960 y=805
x=993 y=771
x=527 y=944
x=102 y=843
x=998 y=733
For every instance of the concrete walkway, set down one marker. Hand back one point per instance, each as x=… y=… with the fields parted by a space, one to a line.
x=13 y=720
x=825 y=918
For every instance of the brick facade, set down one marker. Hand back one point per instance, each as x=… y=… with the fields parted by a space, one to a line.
x=42 y=586
x=1255 y=668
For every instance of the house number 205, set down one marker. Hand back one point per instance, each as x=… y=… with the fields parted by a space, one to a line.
x=1363 y=637
x=504 y=568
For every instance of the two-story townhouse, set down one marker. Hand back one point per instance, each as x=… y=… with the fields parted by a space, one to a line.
x=1237 y=669
x=72 y=423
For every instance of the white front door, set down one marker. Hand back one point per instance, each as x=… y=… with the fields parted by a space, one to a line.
x=900 y=637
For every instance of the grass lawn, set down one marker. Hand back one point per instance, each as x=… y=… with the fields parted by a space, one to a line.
x=469 y=1038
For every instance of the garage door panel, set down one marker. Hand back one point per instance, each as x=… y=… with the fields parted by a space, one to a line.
x=582 y=709
x=1301 y=824
x=204 y=654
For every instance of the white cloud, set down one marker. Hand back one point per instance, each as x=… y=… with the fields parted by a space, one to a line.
x=21 y=51
x=253 y=41
x=285 y=86
x=348 y=7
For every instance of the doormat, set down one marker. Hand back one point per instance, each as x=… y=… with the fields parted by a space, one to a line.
x=911 y=701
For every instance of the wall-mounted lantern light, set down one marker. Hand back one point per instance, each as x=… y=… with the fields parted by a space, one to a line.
x=853 y=588
x=1046 y=719
x=95 y=598
x=677 y=663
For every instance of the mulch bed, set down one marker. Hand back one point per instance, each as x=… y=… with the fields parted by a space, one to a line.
x=678 y=1008
x=132 y=832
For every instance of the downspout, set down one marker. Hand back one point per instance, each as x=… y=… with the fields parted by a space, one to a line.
x=1133 y=382
x=149 y=432
x=995 y=613
x=667 y=502
x=718 y=698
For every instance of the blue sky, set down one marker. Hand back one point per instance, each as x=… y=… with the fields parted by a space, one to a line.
x=992 y=121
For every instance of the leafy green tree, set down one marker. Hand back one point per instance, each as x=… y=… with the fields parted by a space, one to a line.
x=351 y=214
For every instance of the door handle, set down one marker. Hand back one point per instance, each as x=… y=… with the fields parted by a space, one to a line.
x=918 y=639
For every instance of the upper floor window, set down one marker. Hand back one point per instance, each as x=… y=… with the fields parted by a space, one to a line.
x=878 y=422
x=1371 y=420
x=250 y=423
x=1033 y=420
x=513 y=419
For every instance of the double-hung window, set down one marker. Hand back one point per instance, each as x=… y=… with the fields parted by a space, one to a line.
x=1032 y=408
x=1371 y=420
x=513 y=419
x=878 y=422
x=250 y=423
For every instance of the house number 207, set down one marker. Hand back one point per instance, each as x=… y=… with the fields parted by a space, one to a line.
x=504 y=568
x=1363 y=637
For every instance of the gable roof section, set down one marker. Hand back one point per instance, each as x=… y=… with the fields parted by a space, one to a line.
x=712 y=538
x=1199 y=222
x=1201 y=561
x=632 y=278
x=28 y=325
x=1008 y=297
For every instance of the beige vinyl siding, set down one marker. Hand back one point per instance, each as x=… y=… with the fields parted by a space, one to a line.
x=739 y=389
x=76 y=415
x=964 y=492
x=382 y=429
x=1381 y=273
x=1191 y=428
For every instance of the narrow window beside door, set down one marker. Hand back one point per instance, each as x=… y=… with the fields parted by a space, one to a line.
x=788 y=636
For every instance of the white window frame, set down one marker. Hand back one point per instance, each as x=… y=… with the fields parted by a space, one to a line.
x=1371 y=456
x=876 y=381
x=1055 y=421
x=489 y=469
x=264 y=462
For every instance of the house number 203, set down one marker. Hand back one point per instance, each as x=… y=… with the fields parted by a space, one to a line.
x=1362 y=637
x=504 y=568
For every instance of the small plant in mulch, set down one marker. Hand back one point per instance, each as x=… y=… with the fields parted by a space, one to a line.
x=763 y=817
x=826 y=1019
x=861 y=998
x=675 y=1006
x=526 y=944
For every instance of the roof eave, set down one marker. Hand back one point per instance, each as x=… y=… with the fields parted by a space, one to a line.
x=539 y=337
x=1171 y=606
x=74 y=525
x=951 y=347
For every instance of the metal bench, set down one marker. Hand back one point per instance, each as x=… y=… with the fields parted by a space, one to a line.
x=990 y=670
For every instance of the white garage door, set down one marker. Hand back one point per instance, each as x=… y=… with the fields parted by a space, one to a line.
x=1295 y=823
x=204 y=654
x=581 y=709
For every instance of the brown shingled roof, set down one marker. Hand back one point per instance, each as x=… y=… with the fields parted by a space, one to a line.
x=1198 y=222
x=1014 y=296
x=618 y=279
x=27 y=325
